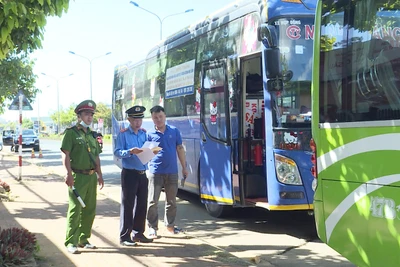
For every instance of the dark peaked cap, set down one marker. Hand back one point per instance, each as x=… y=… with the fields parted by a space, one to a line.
x=136 y=112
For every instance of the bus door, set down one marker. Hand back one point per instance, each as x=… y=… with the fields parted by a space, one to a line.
x=252 y=170
x=215 y=144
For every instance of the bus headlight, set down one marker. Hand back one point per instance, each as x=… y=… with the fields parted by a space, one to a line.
x=287 y=171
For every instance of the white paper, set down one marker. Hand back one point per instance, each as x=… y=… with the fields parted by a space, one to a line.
x=147 y=153
x=150 y=145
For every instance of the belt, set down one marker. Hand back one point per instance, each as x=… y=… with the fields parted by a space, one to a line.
x=137 y=171
x=87 y=172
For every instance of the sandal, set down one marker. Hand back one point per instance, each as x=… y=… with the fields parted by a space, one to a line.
x=175 y=230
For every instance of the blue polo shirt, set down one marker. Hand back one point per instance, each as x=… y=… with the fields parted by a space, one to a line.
x=125 y=141
x=166 y=161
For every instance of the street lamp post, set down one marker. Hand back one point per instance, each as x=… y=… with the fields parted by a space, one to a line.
x=38 y=114
x=161 y=20
x=90 y=63
x=58 y=97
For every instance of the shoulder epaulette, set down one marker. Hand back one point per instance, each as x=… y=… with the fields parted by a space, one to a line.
x=70 y=128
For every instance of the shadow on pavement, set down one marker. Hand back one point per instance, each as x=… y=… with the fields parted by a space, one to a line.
x=198 y=223
x=9 y=221
x=296 y=224
x=307 y=257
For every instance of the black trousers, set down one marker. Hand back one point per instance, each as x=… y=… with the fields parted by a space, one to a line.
x=134 y=190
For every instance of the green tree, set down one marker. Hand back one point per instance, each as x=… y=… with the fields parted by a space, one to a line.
x=67 y=116
x=7 y=126
x=16 y=72
x=27 y=124
x=103 y=112
x=22 y=23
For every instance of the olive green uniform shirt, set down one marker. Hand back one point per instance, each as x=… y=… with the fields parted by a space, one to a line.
x=77 y=146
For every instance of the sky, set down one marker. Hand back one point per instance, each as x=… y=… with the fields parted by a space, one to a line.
x=92 y=28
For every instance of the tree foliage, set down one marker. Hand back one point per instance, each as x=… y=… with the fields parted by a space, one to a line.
x=103 y=112
x=21 y=32
x=68 y=116
x=27 y=124
x=16 y=72
x=22 y=23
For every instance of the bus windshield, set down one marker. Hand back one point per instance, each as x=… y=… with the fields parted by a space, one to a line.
x=293 y=105
x=360 y=78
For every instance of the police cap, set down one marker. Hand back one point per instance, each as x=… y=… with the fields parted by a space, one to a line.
x=87 y=105
x=136 y=112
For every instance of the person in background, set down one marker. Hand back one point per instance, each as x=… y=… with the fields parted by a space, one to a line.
x=99 y=138
x=163 y=171
x=134 y=183
x=82 y=162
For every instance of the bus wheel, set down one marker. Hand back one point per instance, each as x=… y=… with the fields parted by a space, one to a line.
x=218 y=211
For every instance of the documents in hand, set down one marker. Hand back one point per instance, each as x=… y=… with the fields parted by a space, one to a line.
x=148 y=151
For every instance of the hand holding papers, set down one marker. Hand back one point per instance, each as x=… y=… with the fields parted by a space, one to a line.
x=135 y=150
x=149 y=149
x=156 y=150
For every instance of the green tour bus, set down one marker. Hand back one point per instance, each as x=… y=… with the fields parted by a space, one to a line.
x=356 y=129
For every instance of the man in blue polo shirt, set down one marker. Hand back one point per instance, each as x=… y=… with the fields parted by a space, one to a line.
x=163 y=171
x=134 y=183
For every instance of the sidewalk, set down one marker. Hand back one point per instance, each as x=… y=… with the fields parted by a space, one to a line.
x=40 y=206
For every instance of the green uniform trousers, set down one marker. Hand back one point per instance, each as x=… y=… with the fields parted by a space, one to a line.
x=80 y=220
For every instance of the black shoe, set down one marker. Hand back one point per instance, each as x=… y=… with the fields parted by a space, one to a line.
x=141 y=238
x=127 y=243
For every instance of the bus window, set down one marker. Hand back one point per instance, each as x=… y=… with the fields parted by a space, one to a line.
x=292 y=107
x=155 y=81
x=360 y=80
x=180 y=97
x=214 y=104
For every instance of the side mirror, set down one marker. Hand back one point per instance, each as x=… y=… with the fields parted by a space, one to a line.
x=268 y=35
x=272 y=61
x=287 y=76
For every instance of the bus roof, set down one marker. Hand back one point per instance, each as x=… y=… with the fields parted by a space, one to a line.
x=128 y=65
x=237 y=9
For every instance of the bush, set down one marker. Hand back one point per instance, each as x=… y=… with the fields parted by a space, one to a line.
x=17 y=246
x=5 y=186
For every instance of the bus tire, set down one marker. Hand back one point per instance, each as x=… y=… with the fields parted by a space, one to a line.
x=218 y=211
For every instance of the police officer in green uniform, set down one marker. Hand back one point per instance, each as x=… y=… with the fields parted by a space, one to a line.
x=81 y=160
